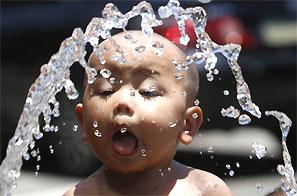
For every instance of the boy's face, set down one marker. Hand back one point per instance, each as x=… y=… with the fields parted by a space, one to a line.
x=138 y=118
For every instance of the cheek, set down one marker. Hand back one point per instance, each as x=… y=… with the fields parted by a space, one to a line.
x=163 y=111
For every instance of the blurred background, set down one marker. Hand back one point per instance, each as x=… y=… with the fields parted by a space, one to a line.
x=32 y=31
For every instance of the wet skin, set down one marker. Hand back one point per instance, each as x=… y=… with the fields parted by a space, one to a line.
x=156 y=112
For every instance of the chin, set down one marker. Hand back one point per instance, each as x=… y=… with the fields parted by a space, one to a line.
x=126 y=168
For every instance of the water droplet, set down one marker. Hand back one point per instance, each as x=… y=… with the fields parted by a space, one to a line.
x=123 y=130
x=259 y=186
x=143 y=152
x=19 y=142
x=208 y=119
x=38 y=158
x=26 y=156
x=32 y=145
x=112 y=80
x=38 y=135
x=210 y=149
x=215 y=71
x=179 y=76
x=209 y=77
x=75 y=127
x=128 y=36
x=228 y=166
x=37 y=167
x=231 y=173
x=196 y=102
x=95 y=124
x=250 y=156
x=244 y=119
x=259 y=150
x=132 y=93
x=51 y=149
x=159 y=48
x=14 y=174
x=46 y=128
x=230 y=112
x=211 y=157
x=237 y=164
x=140 y=49
x=97 y=133
x=36 y=173
x=184 y=40
x=70 y=89
x=105 y=73
x=226 y=92
x=173 y=124
x=195 y=115
x=29 y=100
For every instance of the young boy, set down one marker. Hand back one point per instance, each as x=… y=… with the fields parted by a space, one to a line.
x=135 y=118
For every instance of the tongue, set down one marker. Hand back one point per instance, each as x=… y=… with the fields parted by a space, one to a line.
x=124 y=143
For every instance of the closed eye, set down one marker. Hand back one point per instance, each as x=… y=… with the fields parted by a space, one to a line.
x=106 y=93
x=149 y=93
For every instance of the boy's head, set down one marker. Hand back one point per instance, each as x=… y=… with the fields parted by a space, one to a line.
x=135 y=118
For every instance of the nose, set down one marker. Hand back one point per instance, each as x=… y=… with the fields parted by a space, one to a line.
x=123 y=108
x=123 y=103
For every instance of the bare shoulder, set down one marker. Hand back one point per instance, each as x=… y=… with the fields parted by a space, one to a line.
x=208 y=183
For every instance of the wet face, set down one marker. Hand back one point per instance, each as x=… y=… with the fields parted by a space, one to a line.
x=134 y=118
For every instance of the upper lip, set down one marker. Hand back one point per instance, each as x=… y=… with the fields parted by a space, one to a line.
x=118 y=127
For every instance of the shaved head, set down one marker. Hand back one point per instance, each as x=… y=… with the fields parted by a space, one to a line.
x=131 y=40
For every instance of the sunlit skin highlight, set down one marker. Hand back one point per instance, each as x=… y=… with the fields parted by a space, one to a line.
x=156 y=109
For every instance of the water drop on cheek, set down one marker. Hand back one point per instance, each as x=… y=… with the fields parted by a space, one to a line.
x=95 y=124
x=97 y=133
x=143 y=152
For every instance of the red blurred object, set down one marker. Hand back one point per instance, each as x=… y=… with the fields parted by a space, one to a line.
x=228 y=29
x=222 y=30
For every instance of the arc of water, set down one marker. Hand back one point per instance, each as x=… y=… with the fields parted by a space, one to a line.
x=207 y=50
x=288 y=181
x=54 y=76
x=173 y=8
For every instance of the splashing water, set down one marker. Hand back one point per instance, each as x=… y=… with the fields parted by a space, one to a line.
x=226 y=92
x=97 y=133
x=244 y=119
x=288 y=181
x=55 y=76
x=230 y=112
x=259 y=150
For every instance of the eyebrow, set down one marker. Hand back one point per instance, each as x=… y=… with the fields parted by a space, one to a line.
x=145 y=71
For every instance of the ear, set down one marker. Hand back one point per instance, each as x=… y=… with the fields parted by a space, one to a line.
x=80 y=117
x=192 y=123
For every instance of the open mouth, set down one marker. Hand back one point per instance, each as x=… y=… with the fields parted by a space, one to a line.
x=124 y=143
